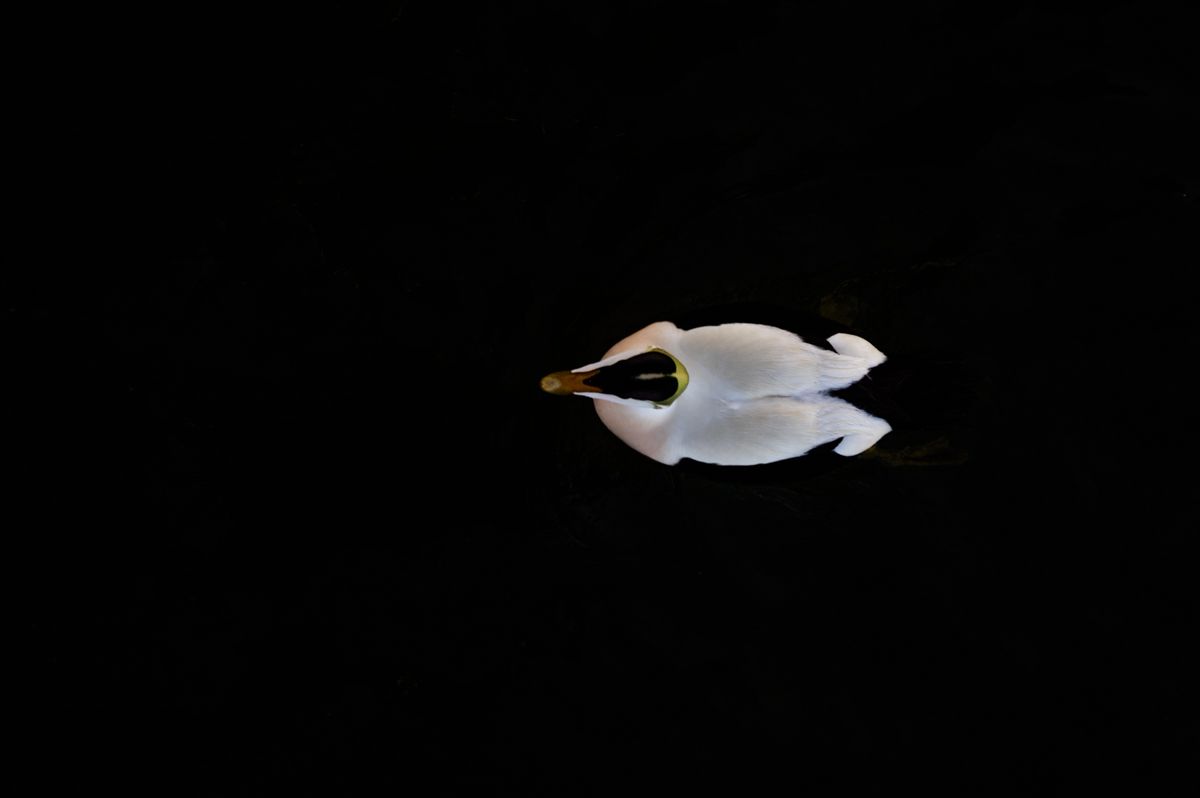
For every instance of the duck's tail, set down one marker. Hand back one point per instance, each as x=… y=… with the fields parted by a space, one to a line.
x=850 y=361
x=860 y=348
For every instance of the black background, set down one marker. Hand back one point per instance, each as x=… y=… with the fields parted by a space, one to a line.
x=340 y=544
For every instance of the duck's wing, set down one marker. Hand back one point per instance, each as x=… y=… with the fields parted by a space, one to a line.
x=750 y=361
x=766 y=430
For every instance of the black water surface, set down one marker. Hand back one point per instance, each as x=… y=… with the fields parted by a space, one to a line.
x=349 y=548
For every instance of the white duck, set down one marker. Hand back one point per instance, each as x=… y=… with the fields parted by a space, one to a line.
x=731 y=394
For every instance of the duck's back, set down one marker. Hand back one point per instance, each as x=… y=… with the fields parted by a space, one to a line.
x=753 y=361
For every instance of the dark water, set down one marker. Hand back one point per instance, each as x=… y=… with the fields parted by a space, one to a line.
x=354 y=550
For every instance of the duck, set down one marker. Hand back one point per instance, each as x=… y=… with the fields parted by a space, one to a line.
x=734 y=394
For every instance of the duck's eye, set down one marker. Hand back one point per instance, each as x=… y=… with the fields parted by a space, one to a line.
x=653 y=376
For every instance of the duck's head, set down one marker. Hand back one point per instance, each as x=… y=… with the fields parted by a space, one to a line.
x=652 y=377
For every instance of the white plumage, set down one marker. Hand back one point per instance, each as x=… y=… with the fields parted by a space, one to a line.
x=751 y=394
